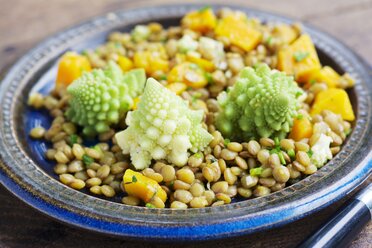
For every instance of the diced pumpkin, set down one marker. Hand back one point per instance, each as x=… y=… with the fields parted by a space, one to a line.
x=302 y=128
x=202 y=20
x=125 y=63
x=70 y=67
x=189 y=73
x=203 y=63
x=138 y=185
x=238 y=32
x=150 y=62
x=299 y=59
x=177 y=87
x=285 y=32
x=335 y=100
x=326 y=75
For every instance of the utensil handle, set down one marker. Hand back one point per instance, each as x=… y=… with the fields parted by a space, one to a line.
x=346 y=224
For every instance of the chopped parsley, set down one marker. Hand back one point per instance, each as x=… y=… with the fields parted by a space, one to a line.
x=299 y=56
x=298 y=93
x=87 y=159
x=226 y=141
x=163 y=77
x=281 y=157
x=134 y=179
x=269 y=40
x=198 y=155
x=73 y=139
x=276 y=140
x=208 y=76
x=291 y=153
x=275 y=150
x=312 y=81
x=299 y=117
x=310 y=153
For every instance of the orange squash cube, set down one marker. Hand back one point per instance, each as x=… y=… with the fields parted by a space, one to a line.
x=70 y=67
x=202 y=20
x=335 y=100
x=238 y=32
x=299 y=59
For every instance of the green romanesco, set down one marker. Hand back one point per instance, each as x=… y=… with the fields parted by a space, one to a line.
x=162 y=127
x=101 y=98
x=261 y=103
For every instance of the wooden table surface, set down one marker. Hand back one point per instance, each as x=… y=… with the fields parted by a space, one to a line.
x=24 y=23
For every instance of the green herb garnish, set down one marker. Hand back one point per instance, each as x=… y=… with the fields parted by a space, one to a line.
x=208 y=76
x=299 y=56
x=256 y=171
x=134 y=179
x=87 y=159
x=312 y=81
x=291 y=153
x=299 y=117
x=73 y=139
x=163 y=77
x=281 y=157
x=299 y=93
x=226 y=141
x=149 y=205
x=276 y=141
x=310 y=153
x=269 y=40
x=275 y=150
x=198 y=155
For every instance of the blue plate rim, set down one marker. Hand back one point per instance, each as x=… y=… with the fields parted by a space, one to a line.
x=210 y=231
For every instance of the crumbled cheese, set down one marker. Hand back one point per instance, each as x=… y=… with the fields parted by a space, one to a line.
x=321 y=151
x=211 y=49
x=140 y=33
x=187 y=43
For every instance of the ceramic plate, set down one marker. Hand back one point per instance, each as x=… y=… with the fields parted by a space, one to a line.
x=26 y=173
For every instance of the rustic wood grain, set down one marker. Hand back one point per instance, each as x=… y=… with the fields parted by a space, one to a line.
x=23 y=23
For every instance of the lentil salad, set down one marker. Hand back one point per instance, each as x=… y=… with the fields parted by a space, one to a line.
x=225 y=168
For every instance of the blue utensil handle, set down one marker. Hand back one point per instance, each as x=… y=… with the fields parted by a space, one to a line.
x=346 y=224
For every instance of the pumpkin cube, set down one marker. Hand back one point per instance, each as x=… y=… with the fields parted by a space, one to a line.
x=125 y=63
x=202 y=20
x=238 y=32
x=70 y=67
x=335 y=100
x=299 y=59
x=326 y=75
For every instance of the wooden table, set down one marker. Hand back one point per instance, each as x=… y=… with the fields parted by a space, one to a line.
x=24 y=23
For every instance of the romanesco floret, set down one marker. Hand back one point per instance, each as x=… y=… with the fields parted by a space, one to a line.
x=101 y=98
x=261 y=103
x=162 y=127
x=321 y=150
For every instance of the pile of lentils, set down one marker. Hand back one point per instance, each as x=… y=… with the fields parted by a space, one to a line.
x=223 y=171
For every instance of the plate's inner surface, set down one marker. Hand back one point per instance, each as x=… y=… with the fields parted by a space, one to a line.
x=43 y=82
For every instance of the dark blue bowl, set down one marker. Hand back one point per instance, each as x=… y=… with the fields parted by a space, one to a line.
x=25 y=172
